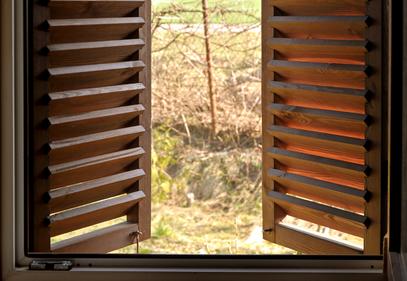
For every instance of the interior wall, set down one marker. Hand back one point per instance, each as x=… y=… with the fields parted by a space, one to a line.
x=7 y=134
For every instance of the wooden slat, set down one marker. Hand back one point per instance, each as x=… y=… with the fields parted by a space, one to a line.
x=88 y=30
x=308 y=243
x=325 y=169
x=345 y=92
x=87 y=192
x=324 y=121
x=279 y=130
x=316 y=50
x=321 y=74
x=320 y=144
x=331 y=217
x=72 y=149
x=92 y=168
x=85 y=100
x=89 y=76
x=335 y=164
x=100 y=241
x=320 y=27
x=71 y=126
x=69 y=9
x=71 y=54
x=321 y=7
x=95 y=213
x=319 y=97
x=320 y=191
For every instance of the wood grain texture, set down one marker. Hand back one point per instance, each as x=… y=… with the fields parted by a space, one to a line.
x=94 y=213
x=319 y=97
x=90 y=76
x=89 y=30
x=100 y=241
x=320 y=168
x=320 y=191
x=93 y=99
x=70 y=9
x=73 y=54
x=37 y=185
x=319 y=144
x=85 y=146
x=93 y=168
x=311 y=244
x=323 y=51
x=377 y=158
x=322 y=120
x=321 y=74
x=320 y=27
x=331 y=217
x=142 y=215
x=75 y=195
x=92 y=107
x=71 y=126
x=321 y=7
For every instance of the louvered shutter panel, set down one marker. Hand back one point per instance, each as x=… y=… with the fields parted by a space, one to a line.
x=322 y=122
x=89 y=119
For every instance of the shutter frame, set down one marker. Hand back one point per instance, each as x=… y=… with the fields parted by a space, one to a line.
x=311 y=75
x=89 y=123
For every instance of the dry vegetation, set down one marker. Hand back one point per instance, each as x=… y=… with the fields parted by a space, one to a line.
x=206 y=192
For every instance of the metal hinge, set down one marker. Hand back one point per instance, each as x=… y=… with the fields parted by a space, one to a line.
x=51 y=265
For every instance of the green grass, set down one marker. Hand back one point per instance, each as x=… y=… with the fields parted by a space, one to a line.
x=222 y=11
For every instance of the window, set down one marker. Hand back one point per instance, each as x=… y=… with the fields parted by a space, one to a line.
x=280 y=268
x=89 y=115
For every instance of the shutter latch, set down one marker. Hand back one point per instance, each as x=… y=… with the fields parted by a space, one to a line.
x=51 y=265
x=136 y=238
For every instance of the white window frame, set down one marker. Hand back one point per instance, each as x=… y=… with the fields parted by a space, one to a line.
x=14 y=263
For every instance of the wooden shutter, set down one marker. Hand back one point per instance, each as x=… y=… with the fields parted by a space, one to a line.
x=89 y=123
x=322 y=122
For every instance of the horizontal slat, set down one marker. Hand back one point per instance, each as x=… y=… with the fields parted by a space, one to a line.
x=320 y=191
x=320 y=144
x=96 y=29
x=297 y=163
x=66 y=9
x=93 y=168
x=100 y=241
x=360 y=118
x=100 y=52
x=85 y=100
x=335 y=164
x=324 y=121
x=321 y=7
x=320 y=27
x=87 y=192
x=318 y=97
x=95 y=144
x=70 y=126
x=94 y=68
x=324 y=51
x=279 y=86
x=306 y=242
x=279 y=130
x=331 y=217
x=95 y=213
x=321 y=74
x=89 y=76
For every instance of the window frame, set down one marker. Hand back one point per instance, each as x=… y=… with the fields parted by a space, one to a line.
x=178 y=267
